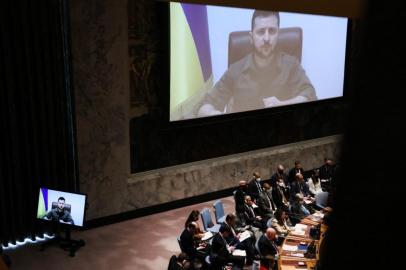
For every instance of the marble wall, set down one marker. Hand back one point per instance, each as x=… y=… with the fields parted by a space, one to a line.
x=187 y=180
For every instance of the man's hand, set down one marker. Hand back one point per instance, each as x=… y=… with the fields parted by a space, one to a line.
x=208 y=110
x=231 y=249
x=271 y=102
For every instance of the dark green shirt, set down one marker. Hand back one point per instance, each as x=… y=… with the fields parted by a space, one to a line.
x=246 y=85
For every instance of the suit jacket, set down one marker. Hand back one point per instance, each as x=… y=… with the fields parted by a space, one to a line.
x=239 y=198
x=232 y=237
x=266 y=248
x=219 y=254
x=279 y=196
x=264 y=204
x=297 y=212
x=326 y=171
x=254 y=188
x=276 y=176
x=297 y=187
x=292 y=174
x=187 y=243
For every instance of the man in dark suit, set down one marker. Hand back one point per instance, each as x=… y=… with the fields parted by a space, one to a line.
x=268 y=250
x=248 y=216
x=239 y=196
x=299 y=186
x=221 y=252
x=234 y=238
x=278 y=175
x=266 y=205
x=255 y=187
x=292 y=173
x=327 y=169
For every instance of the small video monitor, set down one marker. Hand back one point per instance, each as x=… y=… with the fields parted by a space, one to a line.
x=60 y=206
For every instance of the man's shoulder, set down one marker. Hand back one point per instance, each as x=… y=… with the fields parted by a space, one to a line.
x=287 y=59
x=240 y=65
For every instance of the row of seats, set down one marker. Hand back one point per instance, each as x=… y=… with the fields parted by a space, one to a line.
x=208 y=224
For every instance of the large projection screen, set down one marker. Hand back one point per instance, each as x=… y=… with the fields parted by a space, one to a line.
x=304 y=62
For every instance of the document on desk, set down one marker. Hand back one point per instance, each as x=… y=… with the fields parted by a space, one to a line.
x=318 y=215
x=207 y=236
x=300 y=255
x=244 y=235
x=239 y=252
x=298 y=232
x=300 y=227
x=289 y=248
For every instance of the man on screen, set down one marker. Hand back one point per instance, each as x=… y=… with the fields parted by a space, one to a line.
x=265 y=78
x=60 y=213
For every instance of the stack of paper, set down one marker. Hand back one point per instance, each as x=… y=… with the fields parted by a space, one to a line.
x=207 y=235
x=244 y=235
x=239 y=252
x=301 y=255
x=298 y=232
x=300 y=227
x=289 y=248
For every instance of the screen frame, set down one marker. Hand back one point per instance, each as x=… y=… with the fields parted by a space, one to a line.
x=168 y=124
x=66 y=224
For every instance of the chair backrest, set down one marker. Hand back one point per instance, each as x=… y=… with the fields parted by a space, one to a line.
x=289 y=41
x=172 y=263
x=257 y=246
x=218 y=210
x=321 y=198
x=66 y=206
x=206 y=218
x=180 y=244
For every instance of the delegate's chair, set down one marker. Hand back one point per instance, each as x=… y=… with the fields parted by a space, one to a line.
x=66 y=207
x=219 y=212
x=180 y=244
x=207 y=221
x=321 y=199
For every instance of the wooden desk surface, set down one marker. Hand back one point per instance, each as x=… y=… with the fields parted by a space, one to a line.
x=288 y=259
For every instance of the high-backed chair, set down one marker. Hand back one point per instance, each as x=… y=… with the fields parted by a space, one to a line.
x=219 y=212
x=207 y=221
x=66 y=207
x=289 y=41
x=180 y=244
x=321 y=199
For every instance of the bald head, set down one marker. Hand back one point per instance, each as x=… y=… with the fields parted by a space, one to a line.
x=280 y=167
x=270 y=234
x=299 y=197
x=242 y=183
x=299 y=177
x=256 y=174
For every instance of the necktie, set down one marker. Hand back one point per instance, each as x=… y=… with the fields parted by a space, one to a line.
x=258 y=186
x=305 y=211
x=270 y=201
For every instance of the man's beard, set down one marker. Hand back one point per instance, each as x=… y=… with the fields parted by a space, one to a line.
x=260 y=54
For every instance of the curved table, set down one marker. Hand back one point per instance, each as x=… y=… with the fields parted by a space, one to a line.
x=291 y=253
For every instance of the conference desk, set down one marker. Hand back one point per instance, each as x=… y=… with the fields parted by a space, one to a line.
x=291 y=253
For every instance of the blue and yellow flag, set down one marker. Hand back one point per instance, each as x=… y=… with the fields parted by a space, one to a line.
x=42 y=203
x=191 y=67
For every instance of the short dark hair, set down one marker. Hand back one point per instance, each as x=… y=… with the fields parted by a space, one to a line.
x=61 y=198
x=224 y=228
x=297 y=162
x=230 y=217
x=263 y=13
